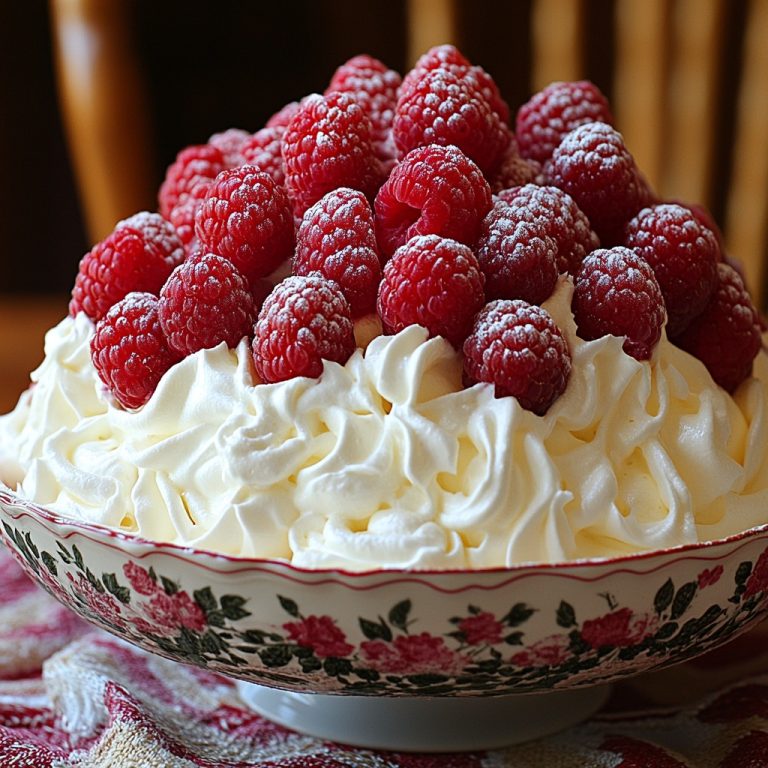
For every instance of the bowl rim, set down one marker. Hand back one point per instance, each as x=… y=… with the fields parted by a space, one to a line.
x=186 y=551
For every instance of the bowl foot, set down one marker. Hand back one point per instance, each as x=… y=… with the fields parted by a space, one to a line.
x=439 y=724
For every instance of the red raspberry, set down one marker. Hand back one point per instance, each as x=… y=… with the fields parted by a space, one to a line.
x=442 y=108
x=433 y=282
x=704 y=217
x=594 y=167
x=516 y=254
x=515 y=171
x=684 y=256
x=448 y=57
x=284 y=116
x=205 y=301
x=564 y=221
x=230 y=143
x=375 y=87
x=247 y=219
x=129 y=349
x=137 y=256
x=616 y=292
x=304 y=321
x=264 y=150
x=726 y=336
x=327 y=145
x=544 y=120
x=519 y=349
x=193 y=165
x=434 y=191
x=336 y=239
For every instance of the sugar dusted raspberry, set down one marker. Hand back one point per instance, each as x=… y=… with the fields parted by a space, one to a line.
x=264 y=150
x=305 y=320
x=519 y=349
x=137 y=256
x=594 y=167
x=726 y=336
x=205 y=301
x=442 y=108
x=433 y=282
x=616 y=292
x=516 y=254
x=247 y=218
x=683 y=253
x=375 y=87
x=515 y=171
x=564 y=221
x=434 y=191
x=230 y=143
x=194 y=165
x=129 y=349
x=283 y=116
x=544 y=120
x=329 y=144
x=336 y=239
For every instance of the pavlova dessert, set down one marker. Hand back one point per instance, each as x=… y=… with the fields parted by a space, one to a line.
x=386 y=331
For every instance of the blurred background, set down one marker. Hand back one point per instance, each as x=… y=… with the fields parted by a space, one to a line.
x=99 y=95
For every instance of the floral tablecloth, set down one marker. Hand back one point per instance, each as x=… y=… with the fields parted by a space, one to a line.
x=72 y=697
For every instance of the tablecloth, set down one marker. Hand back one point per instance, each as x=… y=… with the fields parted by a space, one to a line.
x=74 y=697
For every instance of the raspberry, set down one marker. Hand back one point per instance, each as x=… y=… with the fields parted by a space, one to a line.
x=564 y=221
x=247 y=219
x=515 y=171
x=304 y=321
x=616 y=292
x=726 y=335
x=137 y=256
x=519 y=349
x=434 y=191
x=230 y=143
x=448 y=57
x=264 y=150
x=544 y=120
x=328 y=144
x=442 y=108
x=433 y=282
x=336 y=239
x=284 y=116
x=516 y=254
x=375 y=88
x=129 y=350
x=194 y=165
x=594 y=167
x=683 y=253
x=205 y=301
x=704 y=217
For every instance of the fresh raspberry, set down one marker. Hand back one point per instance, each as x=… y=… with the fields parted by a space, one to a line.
x=726 y=335
x=129 y=349
x=515 y=171
x=336 y=239
x=433 y=282
x=230 y=143
x=564 y=221
x=375 y=88
x=616 y=293
x=264 y=150
x=448 y=57
x=442 y=108
x=516 y=254
x=194 y=165
x=138 y=255
x=327 y=145
x=594 y=167
x=434 y=191
x=283 y=116
x=205 y=301
x=683 y=253
x=304 y=321
x=544 y=120
x=519 y=349
x=247 y=219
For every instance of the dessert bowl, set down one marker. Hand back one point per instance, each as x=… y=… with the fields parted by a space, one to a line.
x=398 y=638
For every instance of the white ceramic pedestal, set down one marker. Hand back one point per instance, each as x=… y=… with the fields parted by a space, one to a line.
x=440 y=724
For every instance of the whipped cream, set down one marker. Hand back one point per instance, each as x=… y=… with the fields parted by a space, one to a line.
x=387 y=462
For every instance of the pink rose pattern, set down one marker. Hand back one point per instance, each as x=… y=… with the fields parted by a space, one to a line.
x=321 y=634
x=413 y=655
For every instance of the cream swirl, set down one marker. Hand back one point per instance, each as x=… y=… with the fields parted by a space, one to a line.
x=387 y=462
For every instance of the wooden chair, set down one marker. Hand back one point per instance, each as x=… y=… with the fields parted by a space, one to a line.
x=669 y=73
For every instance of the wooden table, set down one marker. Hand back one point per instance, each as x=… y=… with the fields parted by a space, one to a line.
x=23 y=323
